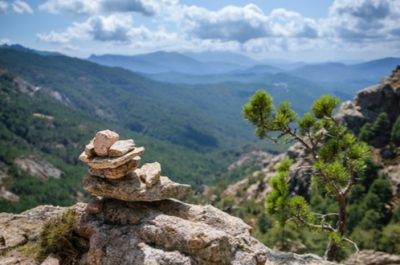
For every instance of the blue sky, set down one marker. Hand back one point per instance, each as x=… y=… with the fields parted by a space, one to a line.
x=308 y=30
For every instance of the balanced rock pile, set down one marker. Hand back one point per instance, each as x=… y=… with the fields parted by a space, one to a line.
x=114 y=173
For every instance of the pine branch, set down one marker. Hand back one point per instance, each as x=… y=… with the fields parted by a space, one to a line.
x=352 y=242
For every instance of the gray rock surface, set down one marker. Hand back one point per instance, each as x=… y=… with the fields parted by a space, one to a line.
x=51 y=260
x=371 y=257
x=5 y=194
x=37 y=167
x=369 y=102
x=131 y=188
x=167 y=232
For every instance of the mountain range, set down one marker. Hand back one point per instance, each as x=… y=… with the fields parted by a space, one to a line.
x=343 y=79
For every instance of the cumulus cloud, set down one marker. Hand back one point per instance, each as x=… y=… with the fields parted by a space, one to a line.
x=246 y=23
x=94 y=7
x=116 y=28
x=147 y=8
x=290 y=24
x=109 y=28
x=71 y=6
x=349 y=25
x=21 y=7
x=102 y=28
x=358 y=20
x=3 y=7
x=230 y=23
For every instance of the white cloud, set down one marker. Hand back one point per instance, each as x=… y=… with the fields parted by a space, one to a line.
x=109 y=28
x=246 y=23
x=356 y=25
x=4 y=41
x=361 y=20
x=21 y=7
x=290 y=24
x=3 y=7
x=72 y=6
x=230 y=23
x=117 y=28
x=147 y=8
x=96 y=7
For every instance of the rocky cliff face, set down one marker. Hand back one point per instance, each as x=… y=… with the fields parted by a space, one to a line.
x=371 y=101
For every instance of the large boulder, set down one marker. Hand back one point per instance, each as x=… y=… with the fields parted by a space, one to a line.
x=167 y=232
x=132 y=188
x=372 y=257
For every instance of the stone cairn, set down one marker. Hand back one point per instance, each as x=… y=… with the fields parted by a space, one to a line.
x=114 y=173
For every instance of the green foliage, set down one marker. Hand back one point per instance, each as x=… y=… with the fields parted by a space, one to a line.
x=336 y=237
x=306 y=123
x=366 y=239
x=283 y=117
x=366 y=134
x=278 y=201
x=57 y=237
x=395 y=134
x=258 y=111
x=390 y=239
x=324 y=106
x=377 y=133
x=301 y=210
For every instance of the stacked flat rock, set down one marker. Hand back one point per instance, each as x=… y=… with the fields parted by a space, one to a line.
x=114 y=173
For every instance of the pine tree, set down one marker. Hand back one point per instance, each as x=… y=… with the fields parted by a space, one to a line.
x=337 y=156
x=395 y=136
x=377 y=133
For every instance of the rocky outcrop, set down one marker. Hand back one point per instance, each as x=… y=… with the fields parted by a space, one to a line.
x=167 y=232
x=257 y=186
x=371 y=101
x=37 y=167
x=371 y=257
x=133 y=189
x=4 y=193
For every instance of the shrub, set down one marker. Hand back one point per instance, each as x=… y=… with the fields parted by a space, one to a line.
x=377 y=133
x=395 y=135
x=56 y=237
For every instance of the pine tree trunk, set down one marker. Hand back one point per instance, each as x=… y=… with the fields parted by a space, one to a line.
x=333 y=247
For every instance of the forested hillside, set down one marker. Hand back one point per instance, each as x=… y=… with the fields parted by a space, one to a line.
x=41 y=138
x=53 y=104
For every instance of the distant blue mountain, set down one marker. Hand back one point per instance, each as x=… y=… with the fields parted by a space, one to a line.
x=164 y=62
x=261 y=69
x=21 y=48
x=345 y=78
x=222 y=57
